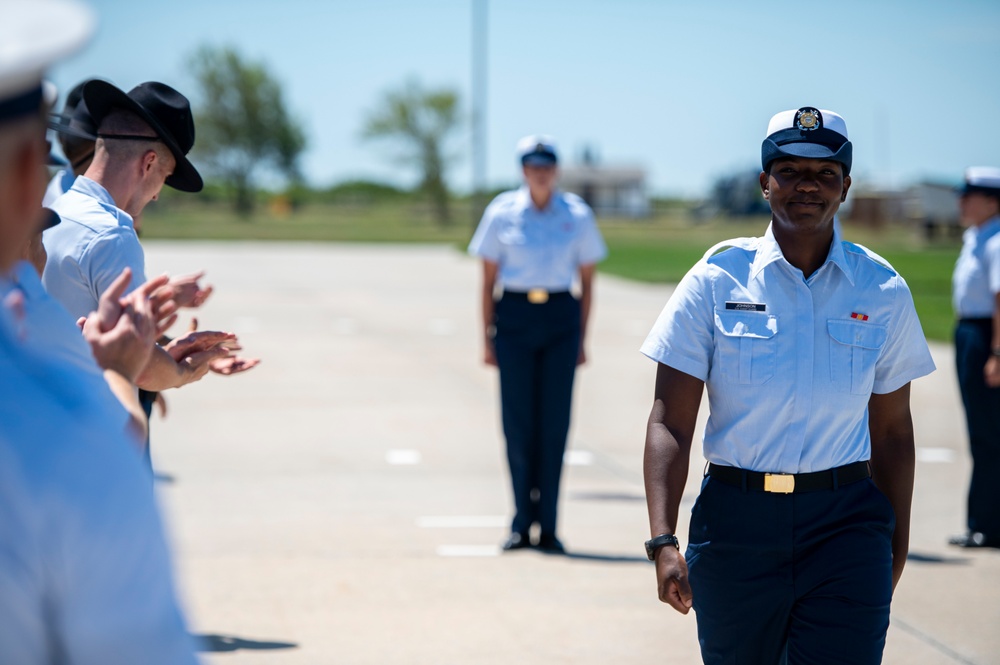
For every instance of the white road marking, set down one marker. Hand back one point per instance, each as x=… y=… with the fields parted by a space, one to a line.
x=468 y=550
x=462 y=522
x=345 y=327
x=402 y=456
x=441 y=327
x=246 y=324
x=935 y=455
x=578 y=457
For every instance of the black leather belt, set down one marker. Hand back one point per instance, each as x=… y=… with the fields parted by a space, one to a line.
x=536 y=296
x=787 y=483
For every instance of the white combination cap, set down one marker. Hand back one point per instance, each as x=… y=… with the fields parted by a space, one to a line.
x=34 y=35
x=807 y=132
x=984 y=179
x=538 y=150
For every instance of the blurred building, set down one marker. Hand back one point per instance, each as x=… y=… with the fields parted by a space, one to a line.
x=932 y=207
x=612 y=191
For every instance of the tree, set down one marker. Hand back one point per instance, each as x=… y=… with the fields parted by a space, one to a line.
x=243 y=128
x=420 y=121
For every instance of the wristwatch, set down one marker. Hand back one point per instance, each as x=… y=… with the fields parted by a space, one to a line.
x=995 y=351
x=659 y=541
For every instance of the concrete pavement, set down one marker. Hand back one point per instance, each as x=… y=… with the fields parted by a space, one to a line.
x=343 y=502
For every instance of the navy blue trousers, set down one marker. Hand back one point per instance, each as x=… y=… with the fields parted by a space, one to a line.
x=147 y=399
x=536 y=349
x=791 y=578
x=973 y=339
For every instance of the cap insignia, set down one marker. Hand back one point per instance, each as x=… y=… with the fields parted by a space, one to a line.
x=807 y=119
x=540 y=148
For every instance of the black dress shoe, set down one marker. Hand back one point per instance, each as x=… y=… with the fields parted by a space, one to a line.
x=516 y=541
x=550 y=544
x=973 y=539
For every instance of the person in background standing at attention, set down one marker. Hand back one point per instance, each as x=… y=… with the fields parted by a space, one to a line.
x=807 y=345
x=976 y=298
x=536 y=243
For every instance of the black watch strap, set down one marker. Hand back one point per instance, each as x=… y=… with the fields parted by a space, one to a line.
x=659 y=541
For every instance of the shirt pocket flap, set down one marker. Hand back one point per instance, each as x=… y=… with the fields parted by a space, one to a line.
x=855 y=333
x=735 y=323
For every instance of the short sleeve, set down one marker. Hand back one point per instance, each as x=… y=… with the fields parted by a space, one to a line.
x=905 y=356
x=485 y=243
x=108 y=254
x=592 y=247
x=683 y=335
x=991 y=256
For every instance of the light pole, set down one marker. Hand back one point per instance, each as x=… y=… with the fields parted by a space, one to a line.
x=480 y=25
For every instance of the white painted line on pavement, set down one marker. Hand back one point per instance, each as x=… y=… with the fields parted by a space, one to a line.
x=402 y=457
x=345 y=327
x=935 y=455
x=462 y=522
x=637 y=327
x=246 y=324
x=468 y=550
x=441 y=327
x=578 y=457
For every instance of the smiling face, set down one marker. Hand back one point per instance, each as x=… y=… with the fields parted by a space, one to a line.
x=804 y=194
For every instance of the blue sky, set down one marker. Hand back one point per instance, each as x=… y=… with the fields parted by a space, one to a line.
x=683 y=89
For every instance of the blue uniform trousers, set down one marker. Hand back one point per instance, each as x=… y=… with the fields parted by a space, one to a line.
x=537 y=346
x=973 y=340
x=801 y=578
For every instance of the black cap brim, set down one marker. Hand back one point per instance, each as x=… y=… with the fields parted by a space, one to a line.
x=770 y=151
x=101 y=97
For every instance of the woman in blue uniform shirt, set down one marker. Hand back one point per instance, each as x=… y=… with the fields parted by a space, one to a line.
x=976 y=298
x=536 y=243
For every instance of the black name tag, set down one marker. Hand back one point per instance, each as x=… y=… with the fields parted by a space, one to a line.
x=746 y=306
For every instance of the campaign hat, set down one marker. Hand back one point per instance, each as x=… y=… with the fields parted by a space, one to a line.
x=807 y=132
x=537 y=150
x=164 y=109
x=75 y=119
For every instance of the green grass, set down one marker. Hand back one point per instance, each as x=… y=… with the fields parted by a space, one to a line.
x=657 y=250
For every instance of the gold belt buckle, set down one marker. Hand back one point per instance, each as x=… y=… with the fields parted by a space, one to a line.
x=538 y=296
x=779 y=483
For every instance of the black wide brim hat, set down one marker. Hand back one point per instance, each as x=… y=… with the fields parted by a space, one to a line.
x=75 y=119
x=164 y=109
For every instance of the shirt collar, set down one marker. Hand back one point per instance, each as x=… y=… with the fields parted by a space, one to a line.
x=985 y=230
x=769 y=251
x=93 y=189
x=525 y=203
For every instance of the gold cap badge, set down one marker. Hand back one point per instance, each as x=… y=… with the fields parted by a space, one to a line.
x=808 y=119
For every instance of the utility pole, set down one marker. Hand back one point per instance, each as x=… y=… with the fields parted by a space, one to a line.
x=480 y=31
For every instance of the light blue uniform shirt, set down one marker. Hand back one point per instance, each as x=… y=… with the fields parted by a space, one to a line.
x=85 y=573
x=89 y=249
x=46 y=330
x=59 y=185
x=534 y=248
x=790 y=363
x=976 y=279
